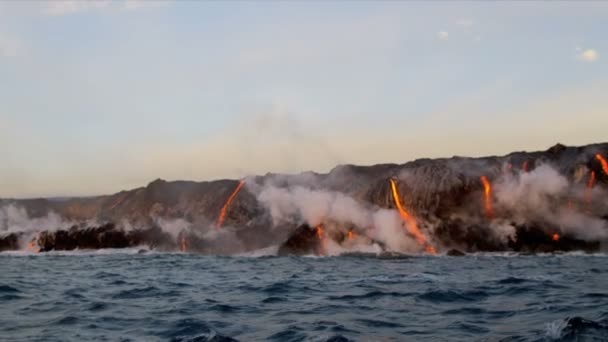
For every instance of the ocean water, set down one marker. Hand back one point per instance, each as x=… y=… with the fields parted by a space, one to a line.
x=131 y=296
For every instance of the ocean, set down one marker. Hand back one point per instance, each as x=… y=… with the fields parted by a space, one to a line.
x=132 y=295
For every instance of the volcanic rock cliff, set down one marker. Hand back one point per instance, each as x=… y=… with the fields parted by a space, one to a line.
x=533 y=201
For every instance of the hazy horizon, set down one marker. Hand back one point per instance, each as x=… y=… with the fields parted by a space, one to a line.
x=104 y=96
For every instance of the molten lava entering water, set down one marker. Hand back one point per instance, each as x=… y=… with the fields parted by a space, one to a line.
x=351 y=235
x=603 y=162
x=524 y=166
x=184 y=244
x=222 y=216
x=556 y=237
x=411 y=224
x=32 y=246
x=321 y=236
x=487 y=188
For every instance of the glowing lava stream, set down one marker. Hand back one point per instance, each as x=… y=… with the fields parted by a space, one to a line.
x=555 y=237
x=487 y=188
x=412 y=226
x=524 y=166
x=32 y=246
x=321 y=236
x=120 y=199
x=603 y=162
x=222 y=216
x=184 y=244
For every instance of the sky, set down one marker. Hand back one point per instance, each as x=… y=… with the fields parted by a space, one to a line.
x=101 y=96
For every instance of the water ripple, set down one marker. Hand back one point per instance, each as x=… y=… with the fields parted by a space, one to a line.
x=176 y=297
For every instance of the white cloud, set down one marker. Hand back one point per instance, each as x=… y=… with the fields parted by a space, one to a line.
x=465 y=22
x=9 y=46
x=588 y=55
x=67 y=7
x=130 y=5
x=443 y=35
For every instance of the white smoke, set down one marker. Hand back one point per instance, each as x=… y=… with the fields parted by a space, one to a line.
x=15 y=219
x=313 y=207
x=172 y=226
x=389 y=229
x=504 y=231
x=531 y=192
x=542 y=195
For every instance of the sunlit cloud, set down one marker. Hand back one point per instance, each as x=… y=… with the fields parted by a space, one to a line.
x=588 y=55
x=443 y=35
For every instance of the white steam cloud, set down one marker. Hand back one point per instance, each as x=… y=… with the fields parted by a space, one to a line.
x=14 y=219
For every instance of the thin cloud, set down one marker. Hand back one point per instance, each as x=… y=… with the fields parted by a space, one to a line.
x=443 y=35
x=9 y=46
x=465 y=22
x=588 y=55
x=130 y=5
x=69 y=7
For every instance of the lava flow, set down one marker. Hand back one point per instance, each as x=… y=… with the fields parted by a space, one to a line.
x=590 y=184
x=222 y=216
x=321 y=236
x=603 y=162
x=351 y=235
x=120 y=199
x=487 y=188
x=184 y=244
x=524 y=166
x=412 y=226
x=32 y=246
x=555 y=237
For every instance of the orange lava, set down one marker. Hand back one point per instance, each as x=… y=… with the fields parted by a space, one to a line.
x=320 y=232
x=184 y=244
x=411 y=224
x=524 y=166
x=321 y=236
x=591 y=181
x=555 y=237
x=222 y=216
x=32 y=246
x=351 y=235
x=603 y=162
x=120 y=199
x=487 y=188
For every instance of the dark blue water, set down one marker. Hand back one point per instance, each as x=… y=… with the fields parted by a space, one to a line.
x=160 y=297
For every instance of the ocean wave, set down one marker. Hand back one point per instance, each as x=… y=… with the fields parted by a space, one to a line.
x=185 y=297
x=439 y=296
x=577 y=329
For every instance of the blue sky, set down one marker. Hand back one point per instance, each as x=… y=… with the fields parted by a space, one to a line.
x=96 y=97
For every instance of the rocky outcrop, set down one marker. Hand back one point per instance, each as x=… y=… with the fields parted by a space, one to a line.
x=9 y=242
x=105 y=236
x=444 y=194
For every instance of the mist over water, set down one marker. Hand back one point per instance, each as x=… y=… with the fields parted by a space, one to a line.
x=129 y=296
